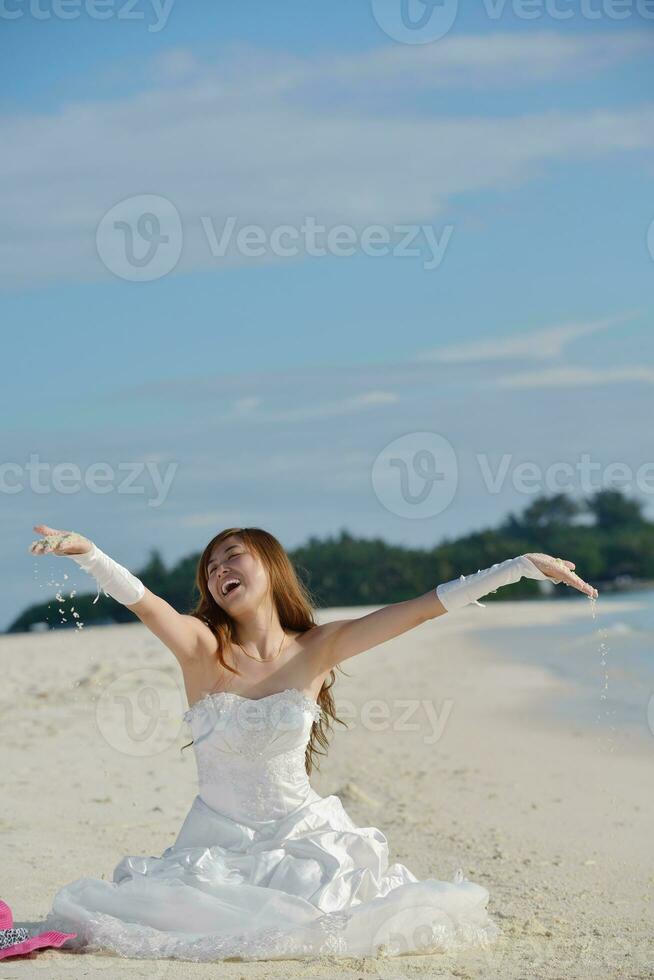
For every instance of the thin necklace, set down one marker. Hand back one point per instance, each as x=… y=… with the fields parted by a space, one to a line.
x=258 y=659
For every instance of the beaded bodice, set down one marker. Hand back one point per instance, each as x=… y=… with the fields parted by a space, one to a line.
x=250 y=753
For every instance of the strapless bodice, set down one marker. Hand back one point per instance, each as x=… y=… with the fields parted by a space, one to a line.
x=250 y=753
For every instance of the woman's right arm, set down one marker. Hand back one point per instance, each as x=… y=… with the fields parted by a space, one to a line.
x=185 y=636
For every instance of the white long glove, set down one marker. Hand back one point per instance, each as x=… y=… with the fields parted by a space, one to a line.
x=468 y=588
x=114 y=579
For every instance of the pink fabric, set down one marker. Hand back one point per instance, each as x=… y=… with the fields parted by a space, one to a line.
x=34 y=942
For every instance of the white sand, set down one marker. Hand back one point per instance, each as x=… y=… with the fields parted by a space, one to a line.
x=555 y=819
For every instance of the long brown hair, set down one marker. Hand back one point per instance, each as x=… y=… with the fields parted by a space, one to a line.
x=293 y=602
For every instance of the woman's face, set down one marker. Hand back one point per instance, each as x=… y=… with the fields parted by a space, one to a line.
x=230 y=561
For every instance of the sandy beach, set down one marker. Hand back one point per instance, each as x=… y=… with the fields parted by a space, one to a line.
x=449 y=752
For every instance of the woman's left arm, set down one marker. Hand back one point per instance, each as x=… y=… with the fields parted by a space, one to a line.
x=345 y=638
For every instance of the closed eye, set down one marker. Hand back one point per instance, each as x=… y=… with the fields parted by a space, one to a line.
x=213 y=566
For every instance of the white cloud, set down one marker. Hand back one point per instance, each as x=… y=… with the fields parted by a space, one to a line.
x=375 y=398
x=174 y=64
x=529 y=57
x=244 y=407
x=529 y=344
x=312 y=410
x=320 y=394
x=497 y=58
x=324 y=464
x=246 y=139
x=576 y=377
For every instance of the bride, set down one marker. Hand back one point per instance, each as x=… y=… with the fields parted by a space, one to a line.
x=263 y=867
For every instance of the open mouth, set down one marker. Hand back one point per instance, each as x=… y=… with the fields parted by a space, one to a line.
x=229 y=586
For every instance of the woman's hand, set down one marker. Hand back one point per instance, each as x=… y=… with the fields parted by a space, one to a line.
x=56 y=542
x=560 y=570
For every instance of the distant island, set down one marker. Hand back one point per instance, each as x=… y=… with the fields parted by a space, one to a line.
x=605 y=534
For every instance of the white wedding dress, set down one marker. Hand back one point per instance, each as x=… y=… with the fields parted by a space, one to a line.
x=265 y=868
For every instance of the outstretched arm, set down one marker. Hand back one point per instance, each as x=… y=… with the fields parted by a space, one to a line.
x=185 y=636
x=346 y=638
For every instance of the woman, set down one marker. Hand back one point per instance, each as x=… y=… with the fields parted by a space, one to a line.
x=263 y=867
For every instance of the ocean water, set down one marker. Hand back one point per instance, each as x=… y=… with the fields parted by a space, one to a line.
x=607 y=661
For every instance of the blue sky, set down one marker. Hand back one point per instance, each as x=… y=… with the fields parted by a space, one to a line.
x=273 y=389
